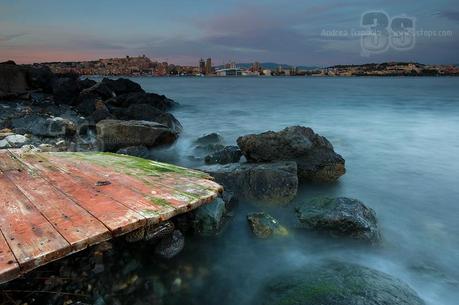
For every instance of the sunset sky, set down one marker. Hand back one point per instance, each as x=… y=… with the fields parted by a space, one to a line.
x=181 y=32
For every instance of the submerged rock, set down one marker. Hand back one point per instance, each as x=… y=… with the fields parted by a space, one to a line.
x=337 y=284
x=275 y=183
x=264 y=225
x=115 y=134
x=209 y=143
x=208 y=219
x=313 y=153
x=171 y=245
x=229 y=154
x=211 y=138
x=339 y=217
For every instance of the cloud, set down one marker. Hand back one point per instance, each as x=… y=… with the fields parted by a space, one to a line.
x=5 y=38
x=451 y=15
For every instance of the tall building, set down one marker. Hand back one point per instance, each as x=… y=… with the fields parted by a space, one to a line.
x=202 y=66
x=209 y=66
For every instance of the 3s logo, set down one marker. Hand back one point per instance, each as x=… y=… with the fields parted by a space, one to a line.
x=382 y=32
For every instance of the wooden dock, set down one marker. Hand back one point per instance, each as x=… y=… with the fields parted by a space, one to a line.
x=55 y=204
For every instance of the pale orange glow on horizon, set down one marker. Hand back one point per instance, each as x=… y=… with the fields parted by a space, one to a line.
x=29 y=57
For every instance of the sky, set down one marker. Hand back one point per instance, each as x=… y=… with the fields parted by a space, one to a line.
x=312 y=33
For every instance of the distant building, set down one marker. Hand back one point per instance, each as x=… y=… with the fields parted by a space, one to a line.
x=202 y=66
x=229 y=72
x=267 y=72
x=209 y=66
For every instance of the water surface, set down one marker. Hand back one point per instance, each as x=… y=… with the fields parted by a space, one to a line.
x=400 y=139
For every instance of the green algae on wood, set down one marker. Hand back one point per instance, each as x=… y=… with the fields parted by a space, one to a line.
x=149 y=167
x=150 y=172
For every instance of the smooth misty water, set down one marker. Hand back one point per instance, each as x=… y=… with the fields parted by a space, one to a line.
x=400 y=139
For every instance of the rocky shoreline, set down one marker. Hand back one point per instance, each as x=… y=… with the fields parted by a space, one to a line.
x=42 y=111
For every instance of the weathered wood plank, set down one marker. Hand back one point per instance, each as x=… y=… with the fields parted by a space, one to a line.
x=9 y=267
x=179 y=192
x=114 y=215
x=114 y=188
x=75 y=224
x=52 y=204
x=186 y=181
x=33 y=240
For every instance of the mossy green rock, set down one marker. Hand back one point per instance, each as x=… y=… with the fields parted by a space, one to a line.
x=265 y=226
x=337 y=284
x=209 y=217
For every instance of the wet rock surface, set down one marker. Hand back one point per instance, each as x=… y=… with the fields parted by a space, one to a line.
x=275 y=183
x=208 y=143
x=339 y=217
x=208 y=219
x=116 y=134
x=337 y=283
x=265 y=226
x=314 y=154
x=43 y=125
x=43 y=106
x=229 y=154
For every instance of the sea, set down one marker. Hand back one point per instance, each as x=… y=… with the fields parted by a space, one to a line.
x=400 y=139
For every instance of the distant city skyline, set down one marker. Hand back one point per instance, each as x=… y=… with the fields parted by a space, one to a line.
x=294 y=32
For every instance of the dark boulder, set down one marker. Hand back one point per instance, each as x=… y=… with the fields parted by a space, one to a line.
x=275 y=183
x=336 y=283
x=43 y=125
x=122 y=85
x=88 y=98
x=313 y=153
x=339 y=217
x=115 y=134
x=208 y=219
x=155 y=100
x=100 y=113
x=13 y=80
x=229 y=154
x=66 y=89
x=86 y=83
x=146 y=112
x=41 y=77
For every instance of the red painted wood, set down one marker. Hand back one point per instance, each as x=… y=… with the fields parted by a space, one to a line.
x=33 y=240
x=115 y=216
x=9 y=267
x=181 y=201
x=75 y=224
x=52 y=204
x=111 y=187
x=179 y=185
